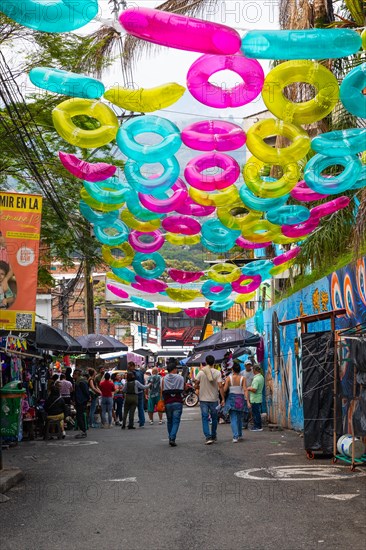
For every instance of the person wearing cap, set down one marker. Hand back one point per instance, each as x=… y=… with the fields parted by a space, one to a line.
x=248 y=374
x=172 y=386
x=256 y=391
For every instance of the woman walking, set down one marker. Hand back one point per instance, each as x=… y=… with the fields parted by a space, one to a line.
x=94 y=394
x=131 y=389
x=236 y=402
x=118 y=398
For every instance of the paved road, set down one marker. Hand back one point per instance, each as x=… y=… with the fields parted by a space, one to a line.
x=130 y=490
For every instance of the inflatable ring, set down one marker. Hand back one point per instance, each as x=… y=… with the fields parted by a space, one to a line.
x=244 y=243
x=213 y=135
x=197 y=312
x=282 y=239
x=97 y=205
x=120 y=236
x=330 y=207
x=56 y=16
x=167 y=147
x=166 y=205
x=278 y=269
x=145 y=100
x=94 y=216
x=218 y=247
x=206 y=182
x=258 y=267
x=287 y=256
x=66 y=83
x=269 y=189
x=216 y=292
x=242 y=298
x=351 y=93
x=88 y=171
x=118 y=291
x=302 y=193
x=361 y=182
x=181 y=224
x=191 y=208
x=233 y=218
x=140 y=246
x=182 y=240
x=253 y=202
x=213 y=231
x=288 y=215
x=277 y=155
x=334 y=184
x=224 y=305
x=144 y=227
x=261 y=231
x=181 y=295
x=248 y=287
x=135 y=207
x=224 y=273
x=179 y=31
x=302 y=229
x=306 y=112
x=230 y=195
x=184 y=277
x=151 y=186
x=153 y=273
x=340 y=142
x=124 y=274
x=141 y=302
x=201 y=70
x=110 y=191
x=152 y=286
x=118 y=262
x=63 y=114
x=166 y=309
x=301 y=44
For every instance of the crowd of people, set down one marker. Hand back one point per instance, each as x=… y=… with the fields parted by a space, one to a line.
x=226 y=394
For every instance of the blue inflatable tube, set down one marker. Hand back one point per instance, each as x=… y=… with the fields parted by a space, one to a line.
x=119 y=237
x=95 y=217
x=301 y=44
x=223 y=305
x=340 y=142
x=135 y=207
x=226 y=290
x=288 y=214
x=332 y=185
x=259 y=204
x=151 y=186
x=50 y=16
x=148 y=273
x=351 y=91
x=124 y=273
x=66 y=83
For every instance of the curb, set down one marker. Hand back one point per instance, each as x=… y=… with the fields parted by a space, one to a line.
x=10 y=477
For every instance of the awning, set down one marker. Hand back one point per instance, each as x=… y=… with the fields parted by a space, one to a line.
x=200 y=356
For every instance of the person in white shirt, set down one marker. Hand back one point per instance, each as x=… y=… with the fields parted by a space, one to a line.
x=209 y=382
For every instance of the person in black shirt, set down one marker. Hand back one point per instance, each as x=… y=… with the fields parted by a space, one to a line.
x=55 y=407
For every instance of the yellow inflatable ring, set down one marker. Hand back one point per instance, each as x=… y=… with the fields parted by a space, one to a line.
x=277 y=269
x=111 y=275
x=182 y=240
x=118 y=262
x=179 y=295
x=134 y=223
x=218 y=198
x=227 y=215
x=166 y=309
x=97 y=205
x=263 y=129
x=63 y=114
x=224 y=273
x=270 y=189
x=261 y=231
x=282 y=239
x=306 y=112
x=242 y=298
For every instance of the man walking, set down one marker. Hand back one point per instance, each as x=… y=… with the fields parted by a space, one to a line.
x=209 y=382
x=139 y=376
x=172 y=386
x=255 y=396
x=81 y=400
x=248 y=374
x=106 y=387
x=154 y=395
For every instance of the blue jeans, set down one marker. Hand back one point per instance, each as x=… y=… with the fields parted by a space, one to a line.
x=256 y=412
x=209 y=408
x=236 y=418
x=140 y=408
x=93 y=406
x=107 y=406
x=173 y=414
x=119 y=406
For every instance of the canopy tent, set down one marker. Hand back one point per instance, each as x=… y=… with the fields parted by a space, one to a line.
x=100 y=343
x=200 y=356
x=55 y=339
x=227 y=339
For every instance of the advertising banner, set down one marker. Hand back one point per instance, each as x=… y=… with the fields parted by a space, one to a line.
x=20 y=225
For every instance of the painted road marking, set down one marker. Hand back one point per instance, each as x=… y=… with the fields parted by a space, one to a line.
x=72 y=443
x=299 y=473
x=346 y=496
x=126 y=479
x=282 y=454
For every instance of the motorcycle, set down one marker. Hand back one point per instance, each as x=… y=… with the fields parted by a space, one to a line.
x=190 y=398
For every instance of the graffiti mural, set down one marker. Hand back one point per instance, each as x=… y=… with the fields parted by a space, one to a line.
x=344 y=288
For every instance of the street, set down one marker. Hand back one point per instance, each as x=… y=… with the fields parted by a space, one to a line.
x=129 y=490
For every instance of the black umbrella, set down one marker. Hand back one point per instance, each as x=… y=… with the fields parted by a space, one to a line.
x=100 y=343
x=55 y=339
x=218 y=354
x=230 y=338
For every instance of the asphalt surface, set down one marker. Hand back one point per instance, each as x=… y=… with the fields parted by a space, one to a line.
x=130 y=490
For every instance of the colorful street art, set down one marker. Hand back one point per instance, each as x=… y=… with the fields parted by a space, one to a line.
x=344 y=288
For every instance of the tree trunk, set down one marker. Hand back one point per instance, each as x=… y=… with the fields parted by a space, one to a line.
x=89 y=298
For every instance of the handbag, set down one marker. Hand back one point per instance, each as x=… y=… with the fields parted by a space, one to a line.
x=160 y=407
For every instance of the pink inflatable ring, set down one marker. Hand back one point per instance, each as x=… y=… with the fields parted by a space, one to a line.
x=181 y=224
x=179 y=31
x=213 y=135
x=286 y=256
x=204 y=182
x=244 y=243
x=330 y=207
x=302 y=229
x=87 y=171
x=184 y=277
x=302 y=193
x=192 y=208
x=164 y=206
x=140 y=246
x=152 y=286
x=196 y=312
x=249 y=70
x=254 y=283
x=117 y=291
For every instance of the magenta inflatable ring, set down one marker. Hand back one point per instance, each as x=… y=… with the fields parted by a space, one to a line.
x=215 y=96
x=244 y=243
x=213 y=135
x=302 y=229
x=152 y=286
x=302 y=193
x=286 y=256
x=330 y=207
x=255 y=281
x=164 y=206
x=140 y=246
x=184 y=277
x=205 y=182
x=181 y=224
x=191 y=208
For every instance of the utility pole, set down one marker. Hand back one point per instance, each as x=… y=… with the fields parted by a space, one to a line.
x=89 y=298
